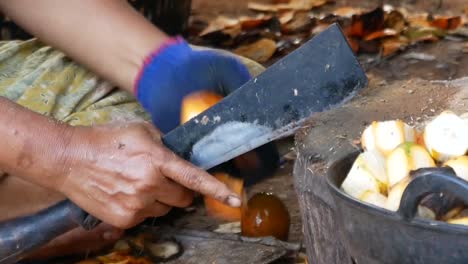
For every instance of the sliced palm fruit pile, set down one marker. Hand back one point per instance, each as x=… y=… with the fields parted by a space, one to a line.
x=392 y=149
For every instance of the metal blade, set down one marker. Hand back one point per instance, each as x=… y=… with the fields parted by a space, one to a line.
x=320 y=75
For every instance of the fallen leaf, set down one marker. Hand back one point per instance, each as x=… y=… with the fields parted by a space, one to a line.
x=394 y=20
x=286 y=16
x=447 y=23
x=319 y=28
x=415 y=34
x=388 y=32
x=305 y=5
x=392 y=45
x=418 y=20
x=354 y=44
x=347 y=11
x=300 y=23
x=371 y=46
x=259 y=51
x=248 y=23
x=363 y=25
x=218 y=24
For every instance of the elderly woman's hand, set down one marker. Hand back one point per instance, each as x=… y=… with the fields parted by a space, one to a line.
x=123 y=174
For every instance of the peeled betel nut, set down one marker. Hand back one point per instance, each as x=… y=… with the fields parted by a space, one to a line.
x=426 y=212
x=458 y=221
x=384 y=136
x=459 y=165
x=395 y=193
x=405 y=158
x=374 y=198
x=446 y=136
x=366 y=174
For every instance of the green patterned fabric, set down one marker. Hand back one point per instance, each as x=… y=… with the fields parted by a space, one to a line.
x=48 y=82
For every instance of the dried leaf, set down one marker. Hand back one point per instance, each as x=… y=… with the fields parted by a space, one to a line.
x=354 y=44
x=218 y=24
x=319 y=28
x=248 y=23
x=369 y=46
x=285 y=17
x=388 y=32
x=363 y=25
x=416 y=34
x=392 y=45
x=300 y=23
x=259 y=51
x=347 y=11
x=305 y=5
x=394 y=20
x=418 y=20
x=447 y=23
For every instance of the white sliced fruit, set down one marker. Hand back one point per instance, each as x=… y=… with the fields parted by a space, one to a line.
x=365 y=175
x=446 y=136
x=405 y=158
x=386 y=135
x=464 y=116
x=374 y=198
x=460 y=166
x=394 y=198
x=426 y=212
x=395 y=193
x=459 y=221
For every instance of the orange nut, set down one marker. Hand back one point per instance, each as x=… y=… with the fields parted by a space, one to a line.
x=220 y=210
x=195 y=103
x=265 y=215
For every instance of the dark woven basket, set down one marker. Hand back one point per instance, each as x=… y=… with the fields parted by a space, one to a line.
x=172 y=16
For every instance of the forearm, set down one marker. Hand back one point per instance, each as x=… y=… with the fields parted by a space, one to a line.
x=32 y=145
x=108 y=36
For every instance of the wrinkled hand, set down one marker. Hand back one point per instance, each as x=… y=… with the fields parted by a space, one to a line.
x=123 y=174
x=175 y=70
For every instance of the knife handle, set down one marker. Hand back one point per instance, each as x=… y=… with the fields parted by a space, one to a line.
x=20 y=236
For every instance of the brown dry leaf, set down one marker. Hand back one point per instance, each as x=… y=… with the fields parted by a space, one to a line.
x=392 y=45
x=259 y=51
x=388 y=32
x=300 y=23
x=286 y=16
x=363 y=25
x=347 y=11
x=418 y=20
x=319 y=28
x=447 y=23
x=371 y=46
x=394 y=20
x=305 y=5
x=354 y=44
x=219 y=24
x=248 y=23
x=416 y=34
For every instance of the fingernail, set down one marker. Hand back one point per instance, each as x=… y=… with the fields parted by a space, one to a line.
x=233 y=201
